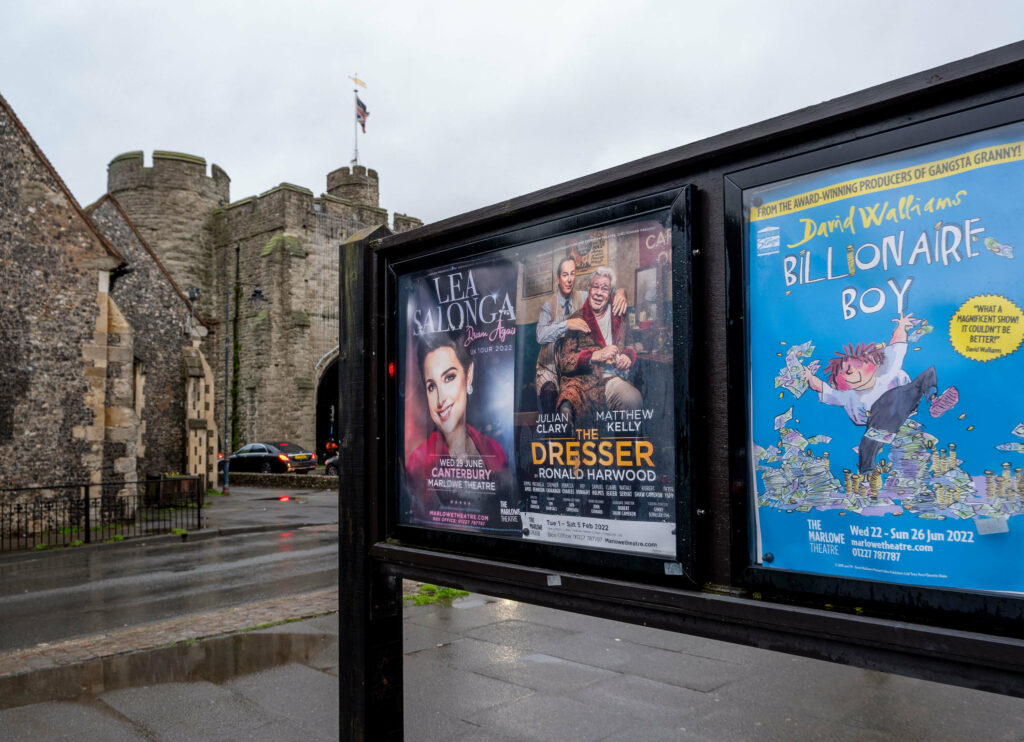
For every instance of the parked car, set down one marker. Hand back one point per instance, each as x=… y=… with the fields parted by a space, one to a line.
x=331 y=466
x=269 y=457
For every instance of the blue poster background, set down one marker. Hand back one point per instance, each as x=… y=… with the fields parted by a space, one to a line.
x=928 y=240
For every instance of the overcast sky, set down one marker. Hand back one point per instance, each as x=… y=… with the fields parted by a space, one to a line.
x=470 y=103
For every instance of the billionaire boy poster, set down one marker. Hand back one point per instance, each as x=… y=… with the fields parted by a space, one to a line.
x=885 y=328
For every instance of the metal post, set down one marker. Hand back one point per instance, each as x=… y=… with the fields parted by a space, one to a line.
x=88 y=514
x=224 y=449
x=370 y=693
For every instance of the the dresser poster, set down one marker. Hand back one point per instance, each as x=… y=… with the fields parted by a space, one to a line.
x=886 y=398
x=544 y=417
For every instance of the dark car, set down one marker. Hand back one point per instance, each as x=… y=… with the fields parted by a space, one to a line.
x=331 y=466
x=271 y=457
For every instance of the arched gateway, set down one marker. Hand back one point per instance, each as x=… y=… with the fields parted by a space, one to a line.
x=327 y=409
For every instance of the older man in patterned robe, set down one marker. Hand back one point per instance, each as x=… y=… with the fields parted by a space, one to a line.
x=594 y=365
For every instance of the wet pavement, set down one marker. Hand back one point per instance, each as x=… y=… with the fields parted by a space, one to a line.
x=88 y=590
x=66 y=653
x=479 y=669
x=272 y=507
x=490 y=669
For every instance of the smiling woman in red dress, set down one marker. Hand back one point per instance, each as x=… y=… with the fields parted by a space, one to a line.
x=447 y=371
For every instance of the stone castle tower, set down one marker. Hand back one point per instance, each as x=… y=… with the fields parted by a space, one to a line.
x=171 y=205
x=267 y=266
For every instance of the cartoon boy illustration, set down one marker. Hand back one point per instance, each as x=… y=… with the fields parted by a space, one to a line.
x=869 y=382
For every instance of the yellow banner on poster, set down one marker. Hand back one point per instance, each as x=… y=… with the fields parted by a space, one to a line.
x=910 y=175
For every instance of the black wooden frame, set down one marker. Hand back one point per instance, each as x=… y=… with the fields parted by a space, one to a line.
x=391 y=263
x=801 y=614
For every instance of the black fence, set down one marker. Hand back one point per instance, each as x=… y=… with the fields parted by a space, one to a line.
x=76 y=514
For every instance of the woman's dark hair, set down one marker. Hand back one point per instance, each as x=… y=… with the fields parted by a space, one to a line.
x=429 y=343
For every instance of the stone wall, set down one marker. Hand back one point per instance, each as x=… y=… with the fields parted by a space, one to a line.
x=282 y=481
x=53 y=321
x=284 y=242
x=155 y=307
x=121 y=429
x=171 y=204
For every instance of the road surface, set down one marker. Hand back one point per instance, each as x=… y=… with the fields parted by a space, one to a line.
x=75 y=592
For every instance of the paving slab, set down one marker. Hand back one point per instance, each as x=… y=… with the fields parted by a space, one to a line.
x=684 y=670
x=487 y=735
x=465 y=693
x=428 y=723
x=545 y=673
x=732 y=722
x=184 y=712
x=417 y=638
x=547 y=718
x=597 y=650
x=646 y=700
x=318 y=712
x=57 y=721
x=469 y=654
x=521 y=634
x=274 y=731
x=652 y=733
x=945 y=713
x=674 y=642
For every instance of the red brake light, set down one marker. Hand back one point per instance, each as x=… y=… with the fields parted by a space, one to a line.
x=314 y=457
x=220 y=455
x=284 y=498
x=282 y=457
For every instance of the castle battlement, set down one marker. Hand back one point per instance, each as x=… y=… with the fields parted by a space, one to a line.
x=355 y=184
x=344 y=208
x=284 y=205
x=404 y=222
x=288 y=205
x=170 y=171
x=285 y=241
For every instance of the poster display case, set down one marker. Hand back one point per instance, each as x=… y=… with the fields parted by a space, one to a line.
x=761 y=388
x=537 y=392
x=884 y=304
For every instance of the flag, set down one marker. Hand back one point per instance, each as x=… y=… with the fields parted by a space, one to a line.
x=361 y=113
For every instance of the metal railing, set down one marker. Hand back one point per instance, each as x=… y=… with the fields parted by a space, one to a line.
x=76 y=514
